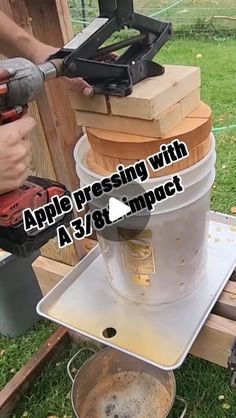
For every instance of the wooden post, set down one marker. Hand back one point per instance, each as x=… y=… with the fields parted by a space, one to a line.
x=50 y=24
x=56 y=133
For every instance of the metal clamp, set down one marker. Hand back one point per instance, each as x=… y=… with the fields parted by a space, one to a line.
x=232 y=364
x=77 y=355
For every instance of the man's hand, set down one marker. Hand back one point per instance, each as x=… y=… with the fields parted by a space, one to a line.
x=76 y=84
x=15 y=153
x=80 y=85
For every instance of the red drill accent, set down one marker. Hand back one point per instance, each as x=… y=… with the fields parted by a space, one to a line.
x=3 y=89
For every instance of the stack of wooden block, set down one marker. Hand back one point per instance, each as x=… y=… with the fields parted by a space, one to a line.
x=127 y=129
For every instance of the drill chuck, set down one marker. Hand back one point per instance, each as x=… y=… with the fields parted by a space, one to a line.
x=48 y=70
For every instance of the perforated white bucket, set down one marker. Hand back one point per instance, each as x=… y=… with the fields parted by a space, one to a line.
x=167 y=261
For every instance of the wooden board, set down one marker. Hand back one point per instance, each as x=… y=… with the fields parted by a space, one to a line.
x=49 y=273
x=117 y=145
x=106 y=165
x=226 y=305
x=40 y=167
x=190 y=103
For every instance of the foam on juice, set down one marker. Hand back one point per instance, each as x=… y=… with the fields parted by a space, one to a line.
x=127 y=395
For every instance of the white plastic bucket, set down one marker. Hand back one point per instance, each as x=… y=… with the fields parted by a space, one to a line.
x=168 y=260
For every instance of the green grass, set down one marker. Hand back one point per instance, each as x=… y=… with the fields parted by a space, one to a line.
x=187 y=15
x=201 y=384
x=218 y=69
x=198 y=381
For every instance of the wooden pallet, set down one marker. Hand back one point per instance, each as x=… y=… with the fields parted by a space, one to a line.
x=214 y=342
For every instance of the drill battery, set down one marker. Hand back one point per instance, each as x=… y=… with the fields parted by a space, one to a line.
x=36 y=192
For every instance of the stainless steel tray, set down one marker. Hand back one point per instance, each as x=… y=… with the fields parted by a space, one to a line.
x=85 y=303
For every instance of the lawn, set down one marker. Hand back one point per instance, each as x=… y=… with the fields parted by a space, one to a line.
x=198 y=381
x=182 y=13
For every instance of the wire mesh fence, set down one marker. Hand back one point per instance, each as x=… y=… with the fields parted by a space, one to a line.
x=186 y=15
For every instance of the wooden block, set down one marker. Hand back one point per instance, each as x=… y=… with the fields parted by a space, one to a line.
x=218 y=334
x=80 y=339
x=104 y=165
x=153 y=96
x=196 y=154
x=199 y=112
x=50 y=272
x=158 y=127
x=12 y=394
x=95 y=167
x=215 y=340
x=108 y=163
x=190 y=103
x=233 y=278
x=119 y=145
x=97 y=103
x=154 y=128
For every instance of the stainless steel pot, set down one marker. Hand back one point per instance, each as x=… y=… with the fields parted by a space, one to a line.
x=95 y=380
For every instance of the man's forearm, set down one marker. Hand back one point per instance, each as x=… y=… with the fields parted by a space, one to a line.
x=16 y=42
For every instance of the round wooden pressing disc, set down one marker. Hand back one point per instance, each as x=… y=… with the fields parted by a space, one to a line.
x=104 y=166
x=193 y=130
